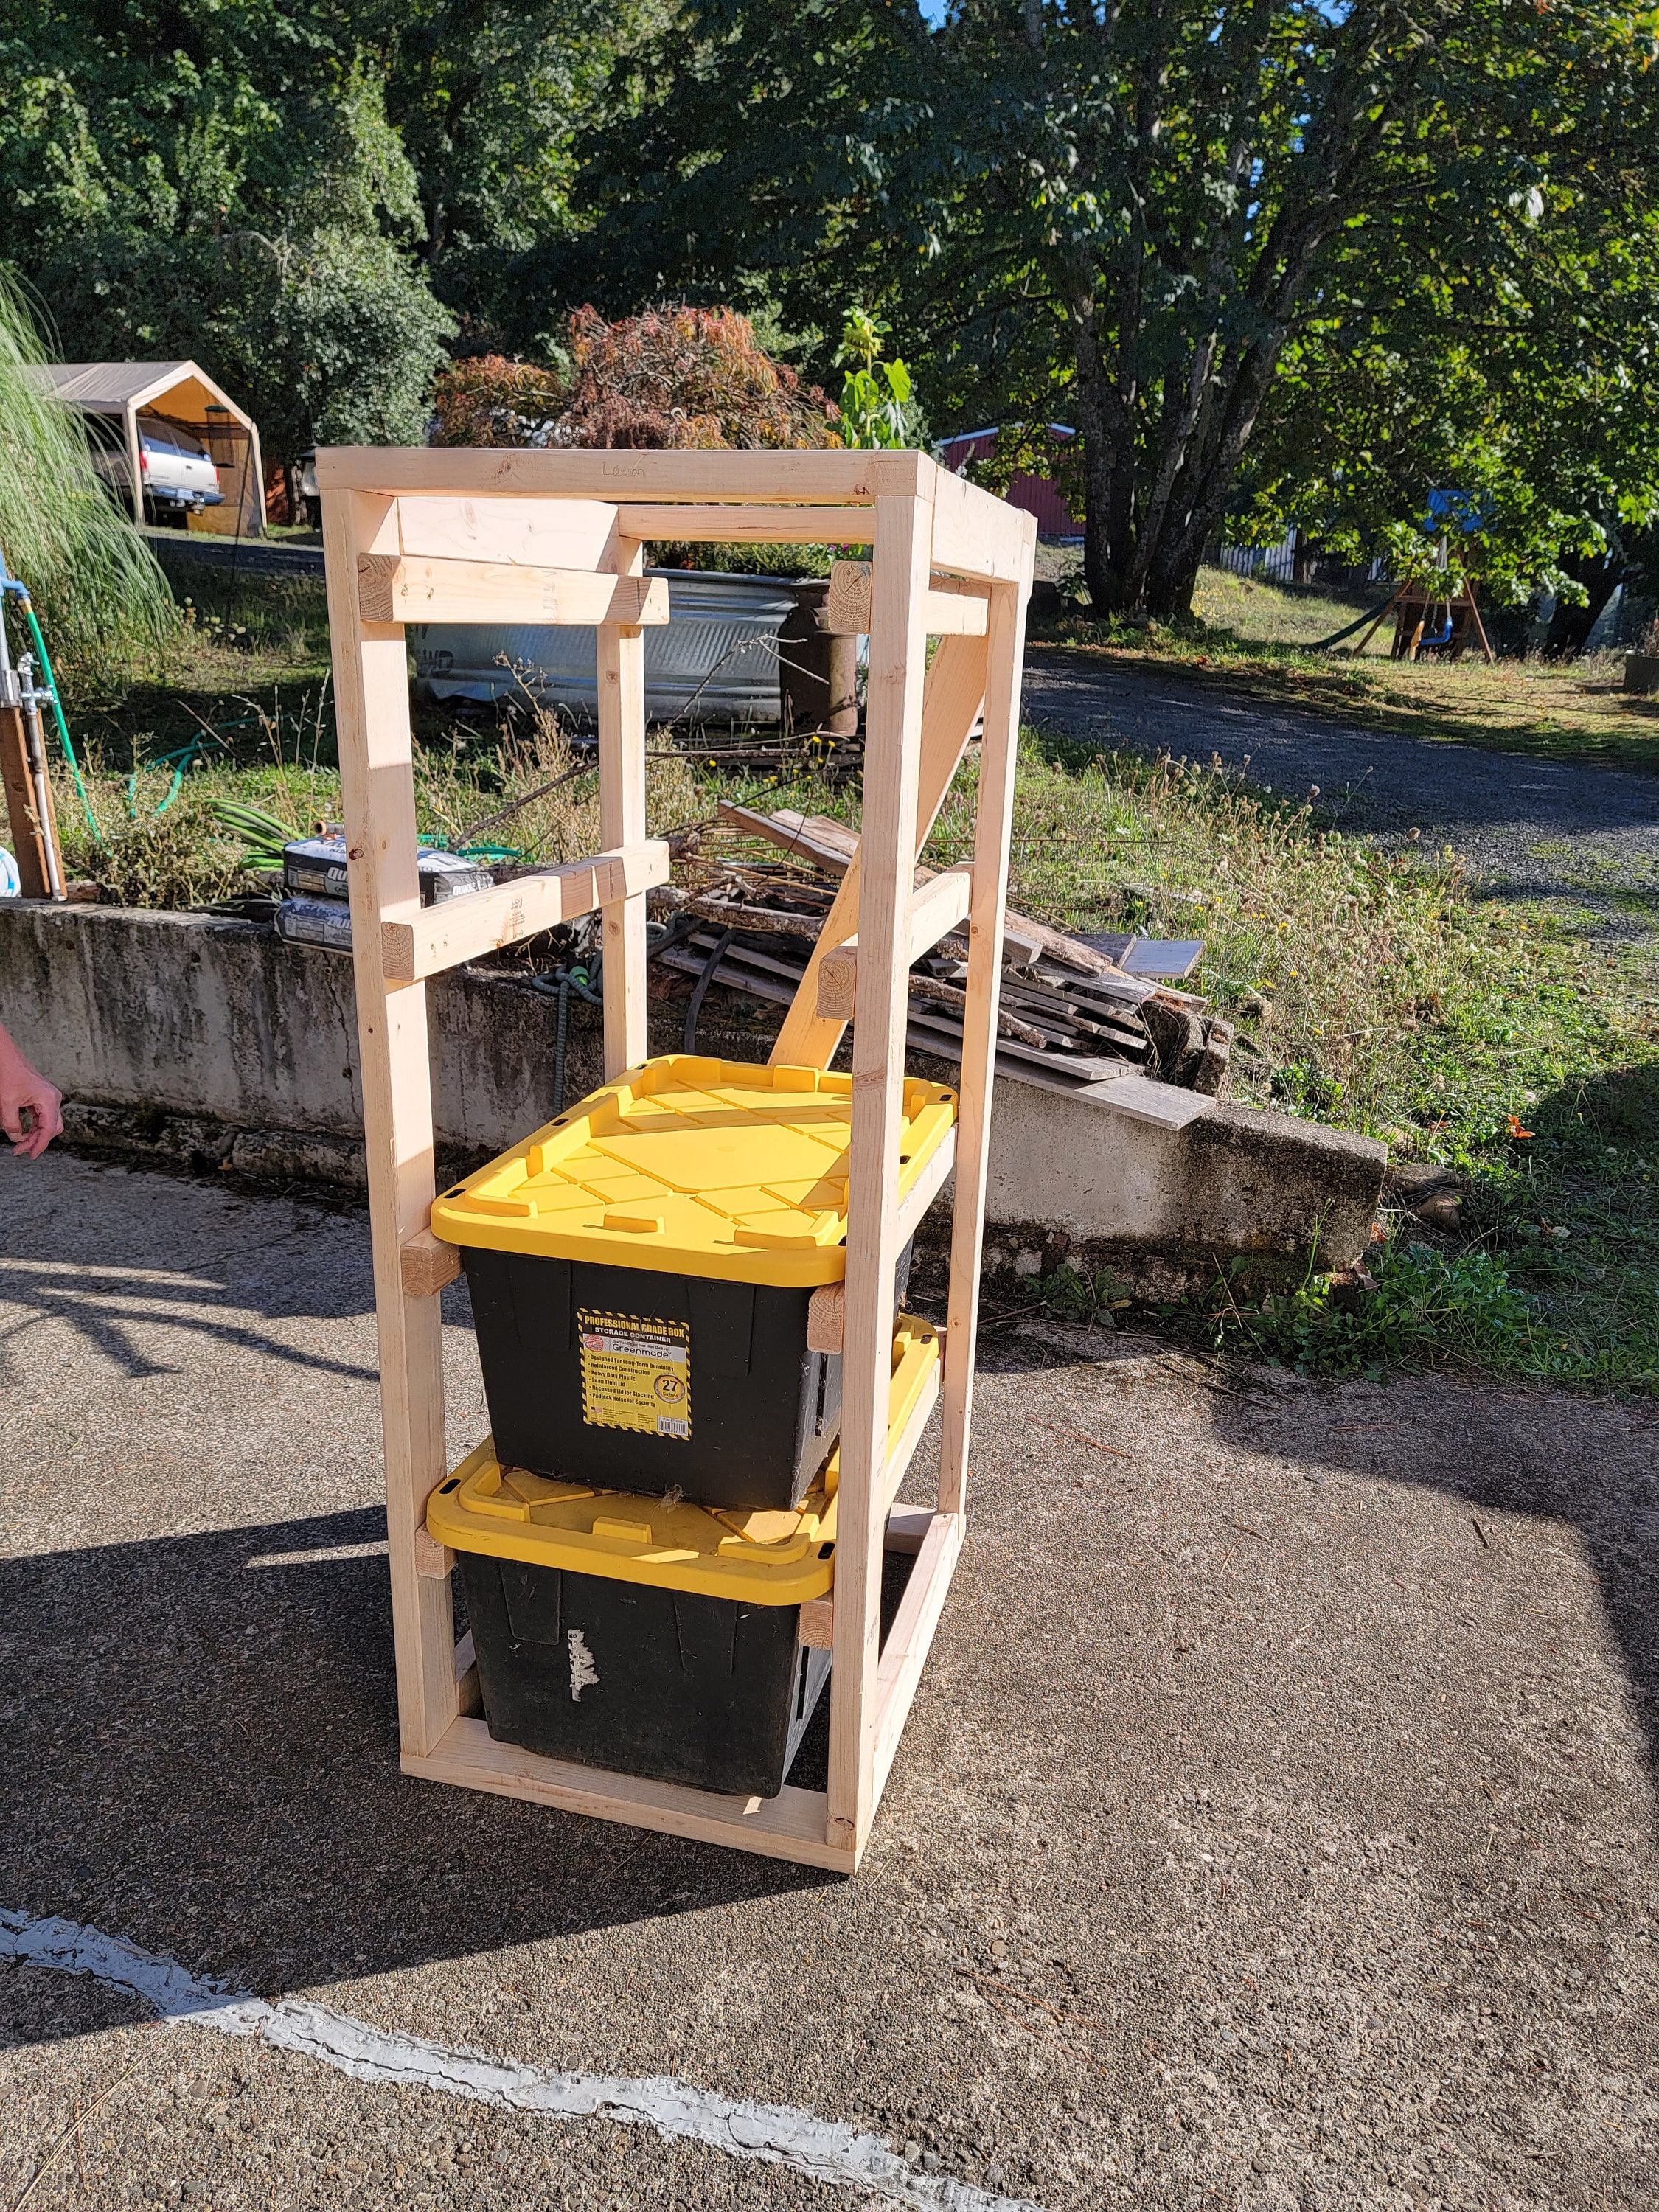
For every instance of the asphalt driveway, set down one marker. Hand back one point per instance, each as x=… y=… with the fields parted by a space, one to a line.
x=1276 y=1825
x=1588 y=837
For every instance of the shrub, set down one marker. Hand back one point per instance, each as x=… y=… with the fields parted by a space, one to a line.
x=491 y=401
x=179 y=858
x=671 y=377
x=1428 y=1305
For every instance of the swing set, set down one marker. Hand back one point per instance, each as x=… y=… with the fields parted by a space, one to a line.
x=1425 y=620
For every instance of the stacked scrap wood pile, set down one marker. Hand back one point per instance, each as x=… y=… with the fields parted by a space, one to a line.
x=1067 y=1012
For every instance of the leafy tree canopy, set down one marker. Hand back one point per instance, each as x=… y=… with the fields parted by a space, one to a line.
x=305 y=197
x=1141 y=215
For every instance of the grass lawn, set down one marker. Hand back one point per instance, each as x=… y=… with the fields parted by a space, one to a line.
x=1370 y=991
x=1256 y=637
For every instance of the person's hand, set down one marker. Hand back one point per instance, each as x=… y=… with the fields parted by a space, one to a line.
x=29 y=1106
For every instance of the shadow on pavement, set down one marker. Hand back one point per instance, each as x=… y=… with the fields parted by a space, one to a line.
x=202 y=1758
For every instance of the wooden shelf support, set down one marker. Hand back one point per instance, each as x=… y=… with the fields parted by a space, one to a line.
x=937 y=908
x=474 y=535
x=949 y=609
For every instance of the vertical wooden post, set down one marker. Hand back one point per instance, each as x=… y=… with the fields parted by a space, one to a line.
x=622 y=821
x=34 y=841
x=998 y=755
x=1480 y=627
x=887 y=846
x=371 y=705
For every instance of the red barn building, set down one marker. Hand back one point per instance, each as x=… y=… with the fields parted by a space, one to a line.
x=1037 y=496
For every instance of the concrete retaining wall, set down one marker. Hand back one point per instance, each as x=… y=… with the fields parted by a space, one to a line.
x=204 y=1042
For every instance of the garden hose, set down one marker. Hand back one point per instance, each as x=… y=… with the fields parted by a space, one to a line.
x=559 y=985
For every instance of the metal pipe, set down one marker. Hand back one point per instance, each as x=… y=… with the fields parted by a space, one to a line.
x=34 y=745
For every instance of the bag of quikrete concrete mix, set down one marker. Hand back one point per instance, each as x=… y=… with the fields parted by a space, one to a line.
x=324 y=921
x=315 y=867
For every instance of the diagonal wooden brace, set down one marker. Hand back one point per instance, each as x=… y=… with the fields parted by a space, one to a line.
x=952 y=699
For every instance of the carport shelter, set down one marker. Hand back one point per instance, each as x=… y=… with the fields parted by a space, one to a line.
x=178 y=392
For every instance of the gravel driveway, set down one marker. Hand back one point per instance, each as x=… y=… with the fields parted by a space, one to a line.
x=1274 y=1828
x=1534 y=829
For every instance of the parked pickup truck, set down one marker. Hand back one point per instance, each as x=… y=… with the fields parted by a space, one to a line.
x=174 y=467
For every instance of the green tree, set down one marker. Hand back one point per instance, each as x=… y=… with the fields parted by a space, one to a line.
x=491 y=98
x=293 y=194
x=227 y=186
x=1536 y=391
x=1127 y=210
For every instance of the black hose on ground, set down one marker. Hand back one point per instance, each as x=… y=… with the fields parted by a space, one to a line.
x=701 y=991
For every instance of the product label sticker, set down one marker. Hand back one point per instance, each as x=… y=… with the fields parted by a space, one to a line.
x=636 y=1373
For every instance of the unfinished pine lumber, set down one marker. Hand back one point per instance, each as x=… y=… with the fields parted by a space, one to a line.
x=432 y=533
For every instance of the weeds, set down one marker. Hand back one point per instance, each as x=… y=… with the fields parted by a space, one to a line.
x=1086 y=1295
x=167 y=837
x=181 y=859
x=1427 y=1306
x=1369 y=989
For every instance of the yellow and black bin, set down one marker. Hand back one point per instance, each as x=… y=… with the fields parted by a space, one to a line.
x=647 y=1635
x=641 y=1270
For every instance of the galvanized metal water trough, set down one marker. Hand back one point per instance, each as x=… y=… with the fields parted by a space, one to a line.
x=715 y=659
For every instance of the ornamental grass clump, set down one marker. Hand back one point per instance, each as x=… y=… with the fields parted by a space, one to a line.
x=102 y=602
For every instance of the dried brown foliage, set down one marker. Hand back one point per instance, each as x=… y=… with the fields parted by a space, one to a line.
x=671 y=377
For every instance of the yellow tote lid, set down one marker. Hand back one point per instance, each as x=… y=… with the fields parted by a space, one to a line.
x=690 y=1167
x=758 y=1558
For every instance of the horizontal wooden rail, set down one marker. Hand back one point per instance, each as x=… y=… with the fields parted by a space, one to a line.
x=925 y=1189
x=790 y=1826
x=749 y=526
x=427 y=1263
x=946 y=612
x=817 y=1624
x=890 y=1479
x=694 y=475
x=910 y=1638
x=906 y=1531
x=540 y=533
x=972 y=536
x=460 y=929
x=907 y=1527
x=906 y=1524
x=392 y=587
x=433 y=1559
x=937 y=906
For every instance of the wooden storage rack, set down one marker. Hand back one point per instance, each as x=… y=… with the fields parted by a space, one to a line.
x=464 y=536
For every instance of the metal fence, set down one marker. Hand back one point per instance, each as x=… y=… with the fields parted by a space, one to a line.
x=1276 y=562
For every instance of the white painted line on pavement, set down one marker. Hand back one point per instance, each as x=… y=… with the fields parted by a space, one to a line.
x=828 y=2151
